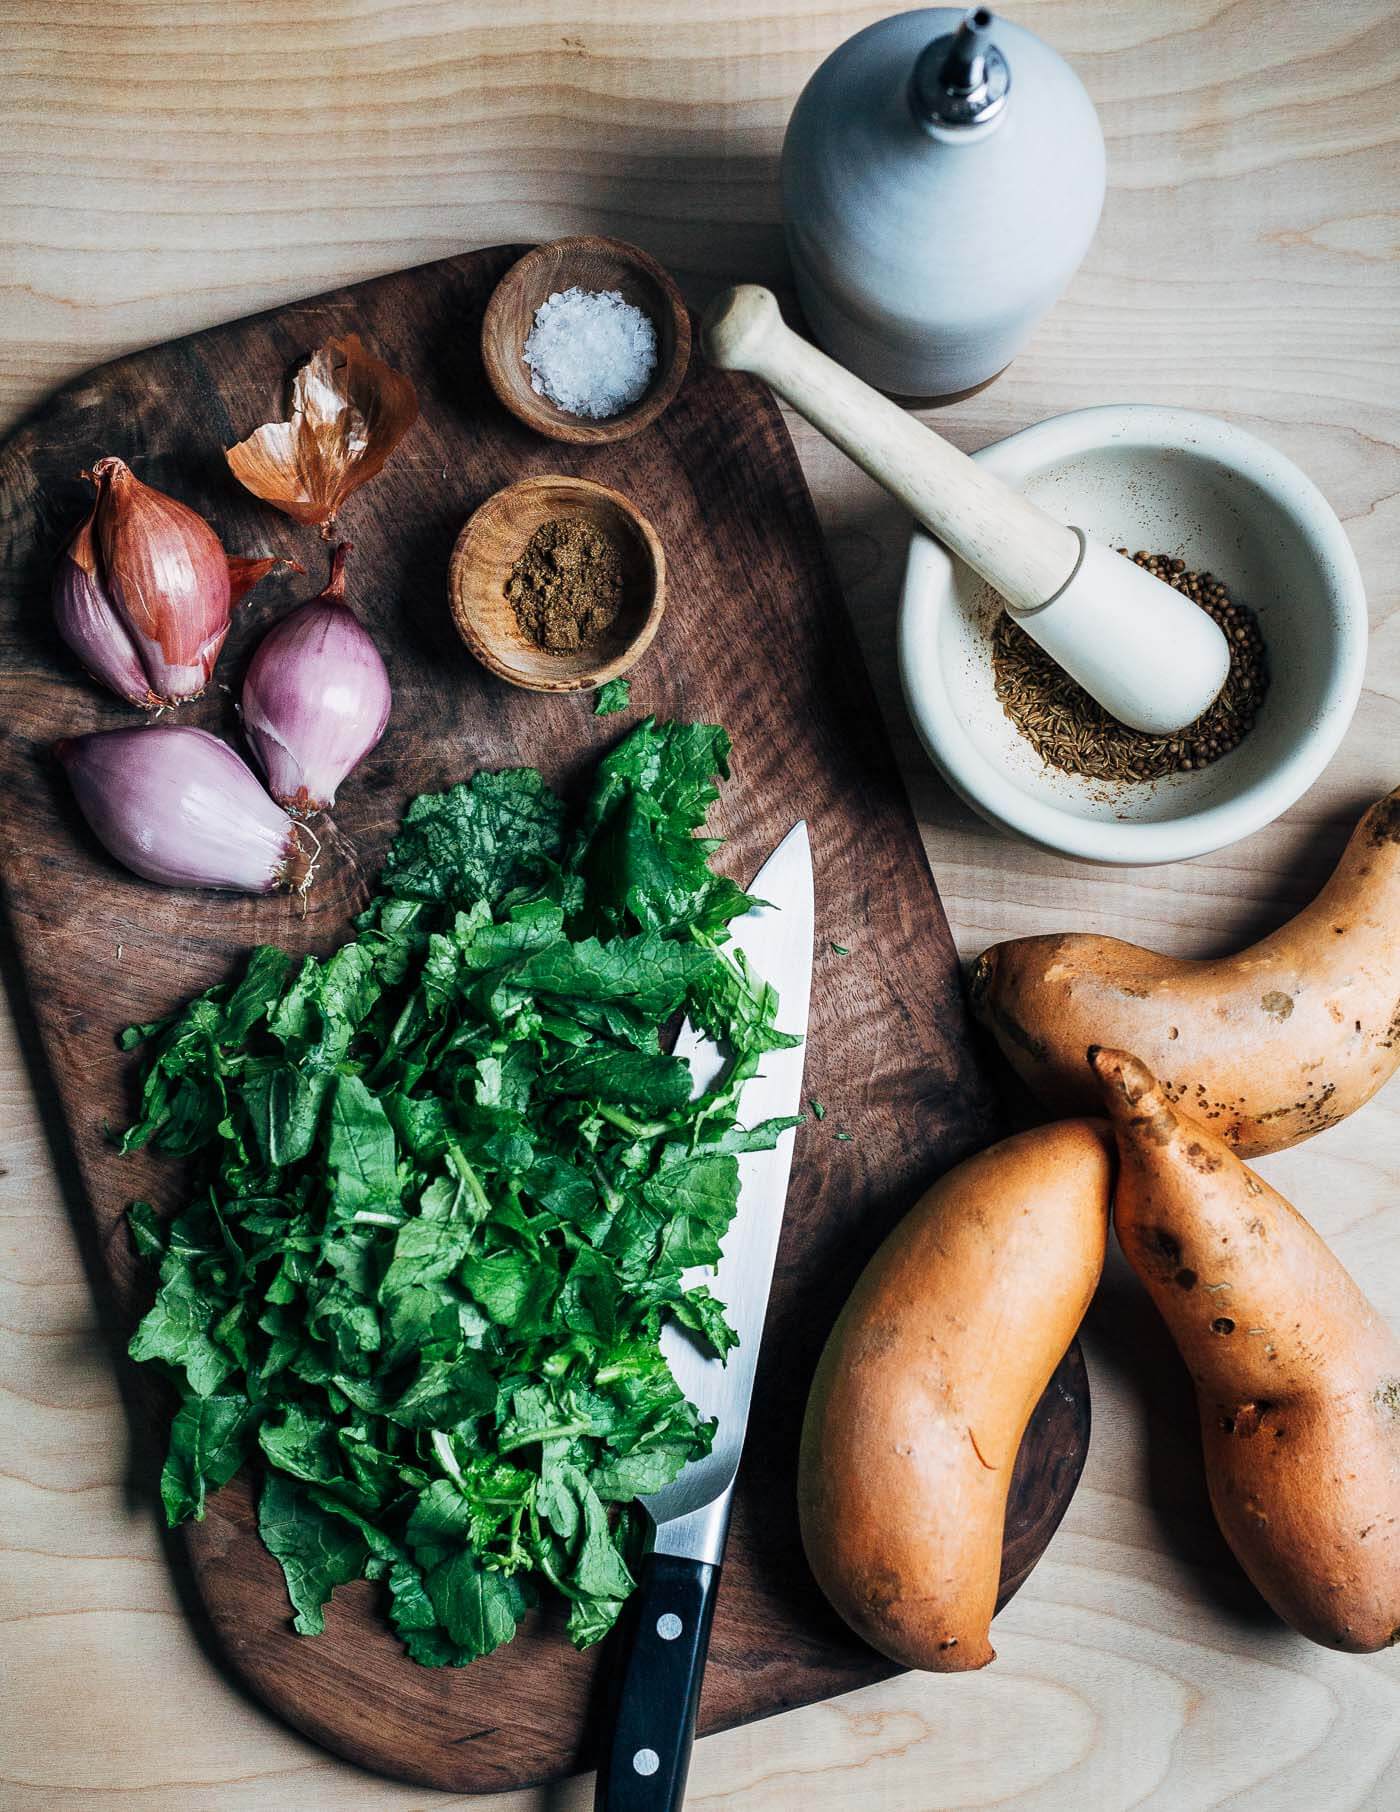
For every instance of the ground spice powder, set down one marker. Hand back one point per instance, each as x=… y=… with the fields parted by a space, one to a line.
x=566 y=587
x=1072 y=732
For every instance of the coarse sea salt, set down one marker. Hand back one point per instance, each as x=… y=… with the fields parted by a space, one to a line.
x=590 y=352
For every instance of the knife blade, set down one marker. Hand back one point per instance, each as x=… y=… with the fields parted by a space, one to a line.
x=645 y=1755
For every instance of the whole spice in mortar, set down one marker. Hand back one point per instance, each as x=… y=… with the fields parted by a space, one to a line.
x=566 y=587
x=1072 y=732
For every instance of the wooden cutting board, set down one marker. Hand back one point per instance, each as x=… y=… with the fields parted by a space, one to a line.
x=754 y=637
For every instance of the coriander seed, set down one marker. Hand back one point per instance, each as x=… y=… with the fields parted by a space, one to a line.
x=1069 y=730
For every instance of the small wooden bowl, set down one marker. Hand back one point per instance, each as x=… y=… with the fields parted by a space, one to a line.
x=591 y=263
x=493 y=540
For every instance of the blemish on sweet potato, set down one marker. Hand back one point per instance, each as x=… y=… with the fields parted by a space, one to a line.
x=1164 y=1244
x=1384 y=821
x=1277 y=1004
x=883 y=1590
x=972 y=1436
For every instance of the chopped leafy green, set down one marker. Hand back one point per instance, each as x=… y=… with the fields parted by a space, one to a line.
x=818 y=1111
x=839 y=950
x=318 y=1550
x=616 y=695
x=445 y=1185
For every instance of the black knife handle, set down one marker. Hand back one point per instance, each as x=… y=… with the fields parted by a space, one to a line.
x=645 y=1754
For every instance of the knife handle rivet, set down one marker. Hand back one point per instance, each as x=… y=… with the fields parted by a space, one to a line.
x=646 y=1761
x=669 y=1626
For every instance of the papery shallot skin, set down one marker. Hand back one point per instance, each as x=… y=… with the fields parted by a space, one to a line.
x=144 y=591
x=316 y=698
x=177 y=806
x=349 y=411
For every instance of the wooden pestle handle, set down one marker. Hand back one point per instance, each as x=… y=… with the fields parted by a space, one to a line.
x=1025 y=554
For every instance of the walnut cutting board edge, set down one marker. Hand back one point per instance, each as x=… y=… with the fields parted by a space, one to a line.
x=756 y=638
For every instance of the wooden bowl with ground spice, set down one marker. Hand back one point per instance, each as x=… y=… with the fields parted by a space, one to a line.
x=557 y=584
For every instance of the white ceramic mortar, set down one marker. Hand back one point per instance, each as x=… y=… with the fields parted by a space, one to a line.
x=1175 y=482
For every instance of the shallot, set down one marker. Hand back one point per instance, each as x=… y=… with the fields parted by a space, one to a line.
x=143 y=592
x=316 y=698
x=176 y=805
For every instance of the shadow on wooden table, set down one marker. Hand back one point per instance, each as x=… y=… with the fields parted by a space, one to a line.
x=146 y=1414
x=1128 y=1335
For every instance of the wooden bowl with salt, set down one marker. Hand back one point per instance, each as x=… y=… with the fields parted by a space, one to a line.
x=590 y=263
x=496 y=537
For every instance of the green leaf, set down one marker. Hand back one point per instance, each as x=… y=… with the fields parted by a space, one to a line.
x=478 y=1607
x=253 y=999
x=284 y=1106
x=147 y=1231
x=706 y=1186
x=697 y=1309
x=650 y=973
x=318 y=1551
x=639 y=1474
x=599 y=1568
x=303 y=1445
x=475 y=841
x=361 y=1148
x=614 y=695
x=177 y=1330
x=653 y=1085
x=209 y=1440
x=513 y=1287
x=445 y=1392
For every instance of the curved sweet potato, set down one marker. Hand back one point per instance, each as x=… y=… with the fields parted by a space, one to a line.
x=1265 y=1047
x=1297 y=1377
x=928 y=1380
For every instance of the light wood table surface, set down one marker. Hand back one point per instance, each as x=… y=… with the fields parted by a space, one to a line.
x=168 y=164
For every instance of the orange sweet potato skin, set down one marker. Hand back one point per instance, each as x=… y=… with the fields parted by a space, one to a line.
x=928 y=1380
x=1265 y=1048
x=1297 y=1377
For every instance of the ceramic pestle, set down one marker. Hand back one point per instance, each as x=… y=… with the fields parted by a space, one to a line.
x=1151 y=657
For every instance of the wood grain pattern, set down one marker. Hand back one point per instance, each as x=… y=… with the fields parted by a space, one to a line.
x=898 y=1074
x=1248 y=263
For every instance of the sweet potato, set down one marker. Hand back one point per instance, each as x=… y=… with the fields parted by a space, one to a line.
x=1297 y=1377
x=1266 y=1047
x=926 y=1384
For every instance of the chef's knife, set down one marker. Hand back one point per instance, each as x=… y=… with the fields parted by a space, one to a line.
x=646 y=1751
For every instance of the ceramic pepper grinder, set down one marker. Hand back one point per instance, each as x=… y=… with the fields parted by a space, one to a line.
x=943 y=174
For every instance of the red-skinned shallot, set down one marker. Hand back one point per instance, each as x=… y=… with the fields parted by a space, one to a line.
x=143 y=592
x=177 y=806
x=316 y=698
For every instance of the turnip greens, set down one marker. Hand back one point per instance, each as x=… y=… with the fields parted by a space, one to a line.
x=444 y=1185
